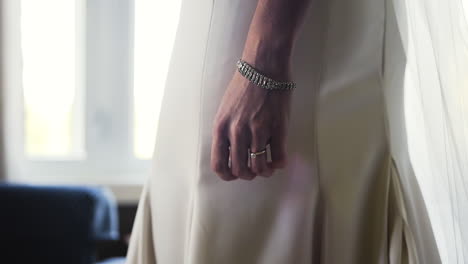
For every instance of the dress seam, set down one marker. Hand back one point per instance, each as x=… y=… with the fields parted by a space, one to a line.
x=322 y=72
x=382 y=77
x=198 y=151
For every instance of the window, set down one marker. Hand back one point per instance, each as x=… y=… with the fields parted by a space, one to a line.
x=53 y=124
x=93 y=73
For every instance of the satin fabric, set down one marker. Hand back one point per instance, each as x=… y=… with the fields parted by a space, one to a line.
x=348 y=194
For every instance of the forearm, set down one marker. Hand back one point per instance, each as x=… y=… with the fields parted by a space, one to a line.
x=272 y=33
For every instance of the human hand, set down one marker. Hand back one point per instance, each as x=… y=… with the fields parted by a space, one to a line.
x=249 y=118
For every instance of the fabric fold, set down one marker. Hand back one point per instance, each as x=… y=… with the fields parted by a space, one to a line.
x=141 y=247
x=402 y=248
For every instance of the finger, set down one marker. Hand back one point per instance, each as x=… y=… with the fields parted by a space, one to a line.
x=239 y=155
x=278 y=149
x=220 y=158
x=258 y=164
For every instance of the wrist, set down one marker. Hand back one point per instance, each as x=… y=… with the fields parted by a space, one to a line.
x=269 y=56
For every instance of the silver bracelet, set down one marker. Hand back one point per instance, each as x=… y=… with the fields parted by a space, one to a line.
x=251 y=74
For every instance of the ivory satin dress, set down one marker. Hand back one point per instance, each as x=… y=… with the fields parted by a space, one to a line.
x=348 y=194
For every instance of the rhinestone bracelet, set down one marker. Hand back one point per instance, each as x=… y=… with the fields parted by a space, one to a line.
x=251 y=74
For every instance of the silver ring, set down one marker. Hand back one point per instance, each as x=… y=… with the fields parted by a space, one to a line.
x=253 y=155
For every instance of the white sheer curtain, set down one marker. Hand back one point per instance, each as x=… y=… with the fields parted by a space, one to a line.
x=2 y=145
x=10 y=80
x=434 y=37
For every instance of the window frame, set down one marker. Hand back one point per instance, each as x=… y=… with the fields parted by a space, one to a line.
x=105 y=33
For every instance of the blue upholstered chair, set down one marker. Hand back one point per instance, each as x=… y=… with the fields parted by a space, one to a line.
x=54 y=224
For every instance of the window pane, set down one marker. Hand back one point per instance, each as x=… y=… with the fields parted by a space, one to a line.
x=52 y=125
x=154 y=38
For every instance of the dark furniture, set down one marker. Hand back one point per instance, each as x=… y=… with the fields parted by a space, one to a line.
x=54 y=224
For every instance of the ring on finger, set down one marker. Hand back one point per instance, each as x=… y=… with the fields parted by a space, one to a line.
x=253 y=155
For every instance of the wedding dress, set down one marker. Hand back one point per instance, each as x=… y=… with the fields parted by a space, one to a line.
x=348 y=194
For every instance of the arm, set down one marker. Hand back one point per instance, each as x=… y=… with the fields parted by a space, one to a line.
x=272 y=34
x=250 y=117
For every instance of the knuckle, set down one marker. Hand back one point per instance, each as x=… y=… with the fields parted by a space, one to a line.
x=236 y=171
x=218 y=128
x=221 y=172
x=256 y=125
x=244 y=174
x=267 y=173
x=237 y=128
x=248 y=177
x=259 y=129
x=257 y=169
x=240 y=172
x=258 y=166
x=263 y=122
x=225 y=177
x=217 y=167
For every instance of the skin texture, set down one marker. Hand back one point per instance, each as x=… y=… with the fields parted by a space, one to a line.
x=249 y=116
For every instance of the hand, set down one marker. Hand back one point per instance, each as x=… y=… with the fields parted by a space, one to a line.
x=249 y=117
